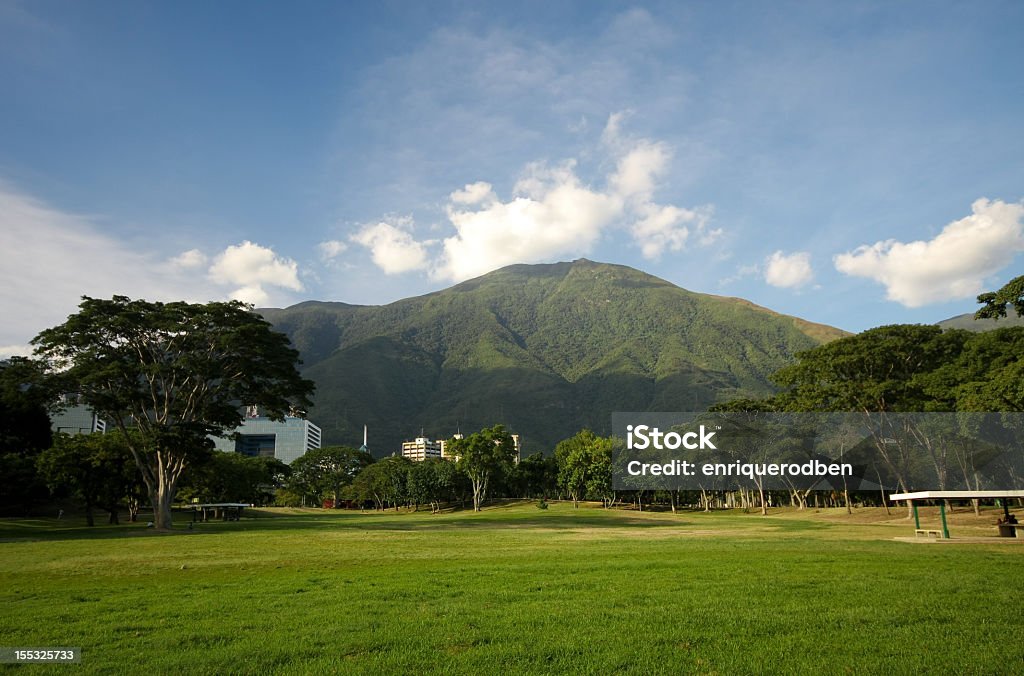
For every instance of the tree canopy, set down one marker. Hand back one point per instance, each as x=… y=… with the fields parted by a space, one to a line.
x=585 y=466
x=877 y=370
x=322 y=473
x=996 y=302
x=482 y=455
x=98 y=468
x=176 y=372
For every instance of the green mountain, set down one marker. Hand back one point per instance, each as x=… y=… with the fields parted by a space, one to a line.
x=967 y=321
x=544 y=349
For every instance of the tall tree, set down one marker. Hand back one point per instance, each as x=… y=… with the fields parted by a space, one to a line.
x=482 y=455
x=326 y=471
x=996 y=302
x=98 y=468
x=585 y=467
x=384 y=482
x=538 y=475
x=877 y=372
x=176 y=372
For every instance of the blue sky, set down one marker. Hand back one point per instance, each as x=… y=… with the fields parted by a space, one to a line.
x=855 y=164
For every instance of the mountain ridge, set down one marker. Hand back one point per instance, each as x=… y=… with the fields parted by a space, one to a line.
x=546 y=349
x=968 y=322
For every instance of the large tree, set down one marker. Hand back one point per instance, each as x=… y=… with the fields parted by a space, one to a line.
x=882 y=371
x=177 y=373
x=324 y=472
x=482 y=455
x=98 y=468
x=384 y=482
x=585 y=467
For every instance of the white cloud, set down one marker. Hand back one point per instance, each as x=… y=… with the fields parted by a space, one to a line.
x=788 y=271
x=51 y=258
x=551 y=213
x=637 y=170
x=190 y=260
x=667 y=228
x=611 y=135
x=8 y=351
x=393 y=249
x=952 y=265
x=331 y=249
x=474 y=193
x=251 y=267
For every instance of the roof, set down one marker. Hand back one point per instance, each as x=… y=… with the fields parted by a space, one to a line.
x=223 y=504
x=957 y=495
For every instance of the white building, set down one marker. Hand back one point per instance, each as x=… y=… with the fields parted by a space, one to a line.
x=422 y=448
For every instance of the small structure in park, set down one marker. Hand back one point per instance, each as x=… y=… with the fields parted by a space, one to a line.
x=225 y=511
x=1008 y=528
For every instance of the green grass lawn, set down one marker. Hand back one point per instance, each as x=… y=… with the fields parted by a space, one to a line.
x=513 y=589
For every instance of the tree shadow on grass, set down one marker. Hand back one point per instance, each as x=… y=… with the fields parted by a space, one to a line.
x=492 y=518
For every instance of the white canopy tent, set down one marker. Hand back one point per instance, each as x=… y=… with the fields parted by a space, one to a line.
x=942 y=496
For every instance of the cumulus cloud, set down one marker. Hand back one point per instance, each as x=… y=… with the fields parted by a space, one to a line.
x=474 y=193
x=189 y=260
x=636 y=171
x=331 y=249
x=668 y=228
x=788 y=271
x=952 y=265
x=251 y=267
x=551 y=213
x=392 y=247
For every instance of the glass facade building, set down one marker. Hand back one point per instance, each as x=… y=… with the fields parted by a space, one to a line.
x=76 y=419
x=260 y=436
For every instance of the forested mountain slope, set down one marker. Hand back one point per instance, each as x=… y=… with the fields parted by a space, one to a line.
x=544 y=349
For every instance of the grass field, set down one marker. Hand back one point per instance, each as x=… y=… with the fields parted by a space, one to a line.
x=517 y=590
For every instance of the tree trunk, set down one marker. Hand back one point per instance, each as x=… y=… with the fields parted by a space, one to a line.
x=161 y=479
x=162 y=509
x=477 y=494
x=89 y=521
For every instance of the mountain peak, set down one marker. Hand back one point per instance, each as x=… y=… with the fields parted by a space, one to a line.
x=546 y=349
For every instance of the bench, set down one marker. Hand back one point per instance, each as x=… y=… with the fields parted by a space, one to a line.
x=1009 y=530
x=928 y=533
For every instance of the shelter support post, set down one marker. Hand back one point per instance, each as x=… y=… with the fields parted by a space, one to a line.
x=942 y=512
x=917 y=519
